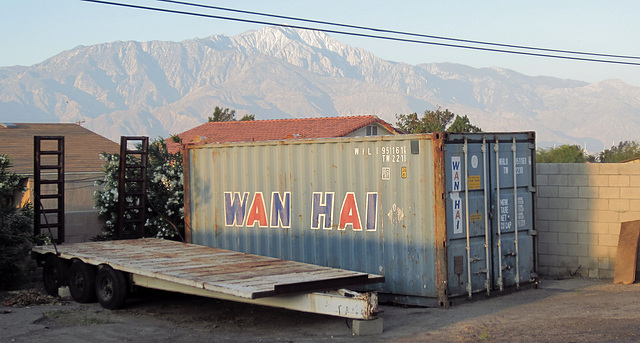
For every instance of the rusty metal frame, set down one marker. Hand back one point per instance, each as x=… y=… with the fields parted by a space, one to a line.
x=440 y=219
x=141 y=189
x=59 y=182
x=186 y=181
x=340 y=303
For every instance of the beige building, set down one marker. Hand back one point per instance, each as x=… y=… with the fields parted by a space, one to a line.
x=83 y=167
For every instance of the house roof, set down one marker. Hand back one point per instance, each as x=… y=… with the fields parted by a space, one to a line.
x=632 y=160
x=264 y=130
x=82 y=146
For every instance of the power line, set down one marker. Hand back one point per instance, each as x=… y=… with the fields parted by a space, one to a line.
x=404 y=33
x=406 y=40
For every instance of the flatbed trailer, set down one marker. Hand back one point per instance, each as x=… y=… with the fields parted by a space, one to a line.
x=108 y=270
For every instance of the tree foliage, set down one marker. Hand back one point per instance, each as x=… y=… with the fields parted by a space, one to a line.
x=165 y=190
x=225 y=114
x=625 y=150
x=463 y=125
x=222 y=114
x=16 y=230
x=562 y=154
x=248 y=117
x=435 y=121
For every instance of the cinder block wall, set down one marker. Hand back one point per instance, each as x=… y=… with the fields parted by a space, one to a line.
x=580 y=208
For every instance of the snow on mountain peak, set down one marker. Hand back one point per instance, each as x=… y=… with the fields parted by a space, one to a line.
x=160 y=88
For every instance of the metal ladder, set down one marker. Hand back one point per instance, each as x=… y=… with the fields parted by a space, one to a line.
x=132 y=187
x=50 y=162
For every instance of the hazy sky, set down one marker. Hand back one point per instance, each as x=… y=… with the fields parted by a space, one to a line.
x=34 y=30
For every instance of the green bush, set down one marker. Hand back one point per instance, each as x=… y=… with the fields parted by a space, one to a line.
x=165 y=204
x=16 y=231
x=563 y=154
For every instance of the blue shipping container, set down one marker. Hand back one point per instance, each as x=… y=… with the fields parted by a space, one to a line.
x=439 y=215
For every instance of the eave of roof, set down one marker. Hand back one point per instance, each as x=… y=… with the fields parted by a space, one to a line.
x=82 y=146
x=279 y=129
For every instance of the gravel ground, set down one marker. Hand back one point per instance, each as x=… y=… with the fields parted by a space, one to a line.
x=571 y=310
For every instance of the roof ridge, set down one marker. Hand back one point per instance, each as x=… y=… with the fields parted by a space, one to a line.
x=294 y=119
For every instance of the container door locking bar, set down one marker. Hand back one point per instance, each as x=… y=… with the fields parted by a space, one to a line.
x=466 y=205
x=496 y=148
x=487 y=282
x=515 y=210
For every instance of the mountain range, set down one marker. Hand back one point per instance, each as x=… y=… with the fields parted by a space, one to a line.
x=160 y=88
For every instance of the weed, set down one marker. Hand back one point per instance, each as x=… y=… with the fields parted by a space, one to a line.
x=76 y=319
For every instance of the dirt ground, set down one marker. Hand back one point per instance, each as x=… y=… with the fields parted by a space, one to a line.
x=571 y=310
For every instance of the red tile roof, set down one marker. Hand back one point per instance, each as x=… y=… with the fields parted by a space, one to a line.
x=82 y=146
x=264 y=130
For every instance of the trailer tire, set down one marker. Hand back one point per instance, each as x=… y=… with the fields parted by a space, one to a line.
x=54 y=274
x=82 y=282
x=111 y=288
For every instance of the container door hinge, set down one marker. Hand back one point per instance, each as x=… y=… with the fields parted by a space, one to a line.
x=510 y=253
x=480 y=272
x=532 y=189
x=475 y=259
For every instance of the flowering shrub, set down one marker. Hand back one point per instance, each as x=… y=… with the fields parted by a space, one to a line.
x=165 y=204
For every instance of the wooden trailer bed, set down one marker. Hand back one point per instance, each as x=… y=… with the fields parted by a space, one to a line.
x=225 y=274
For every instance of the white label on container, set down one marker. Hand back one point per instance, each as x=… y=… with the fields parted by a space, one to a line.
x=386 y=173
x=455 y=195
x=455 y=173
x=457 y=212
x=396 y=214
x=505 y=220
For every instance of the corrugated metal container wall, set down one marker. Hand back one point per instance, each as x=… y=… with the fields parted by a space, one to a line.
x=370 y=204
x=340 y=202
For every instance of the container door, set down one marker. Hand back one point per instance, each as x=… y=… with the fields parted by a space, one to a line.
x=489 y=198
x=468 y=252
x=512 y=206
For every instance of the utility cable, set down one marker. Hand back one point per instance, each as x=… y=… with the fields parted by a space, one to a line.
x=404 y=33
x=359 y=34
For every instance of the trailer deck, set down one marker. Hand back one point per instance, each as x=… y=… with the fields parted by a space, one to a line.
x=225 y=274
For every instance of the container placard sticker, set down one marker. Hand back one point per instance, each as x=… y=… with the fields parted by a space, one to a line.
x=386 y=173
x=455 y=195
x=475 y=217
x=474 y=182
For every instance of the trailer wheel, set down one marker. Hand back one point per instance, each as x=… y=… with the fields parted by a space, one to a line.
x=111 y=288
x=82 y=282
x=54 y=274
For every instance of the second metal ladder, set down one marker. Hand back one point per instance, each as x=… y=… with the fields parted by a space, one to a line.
x=132 y=187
